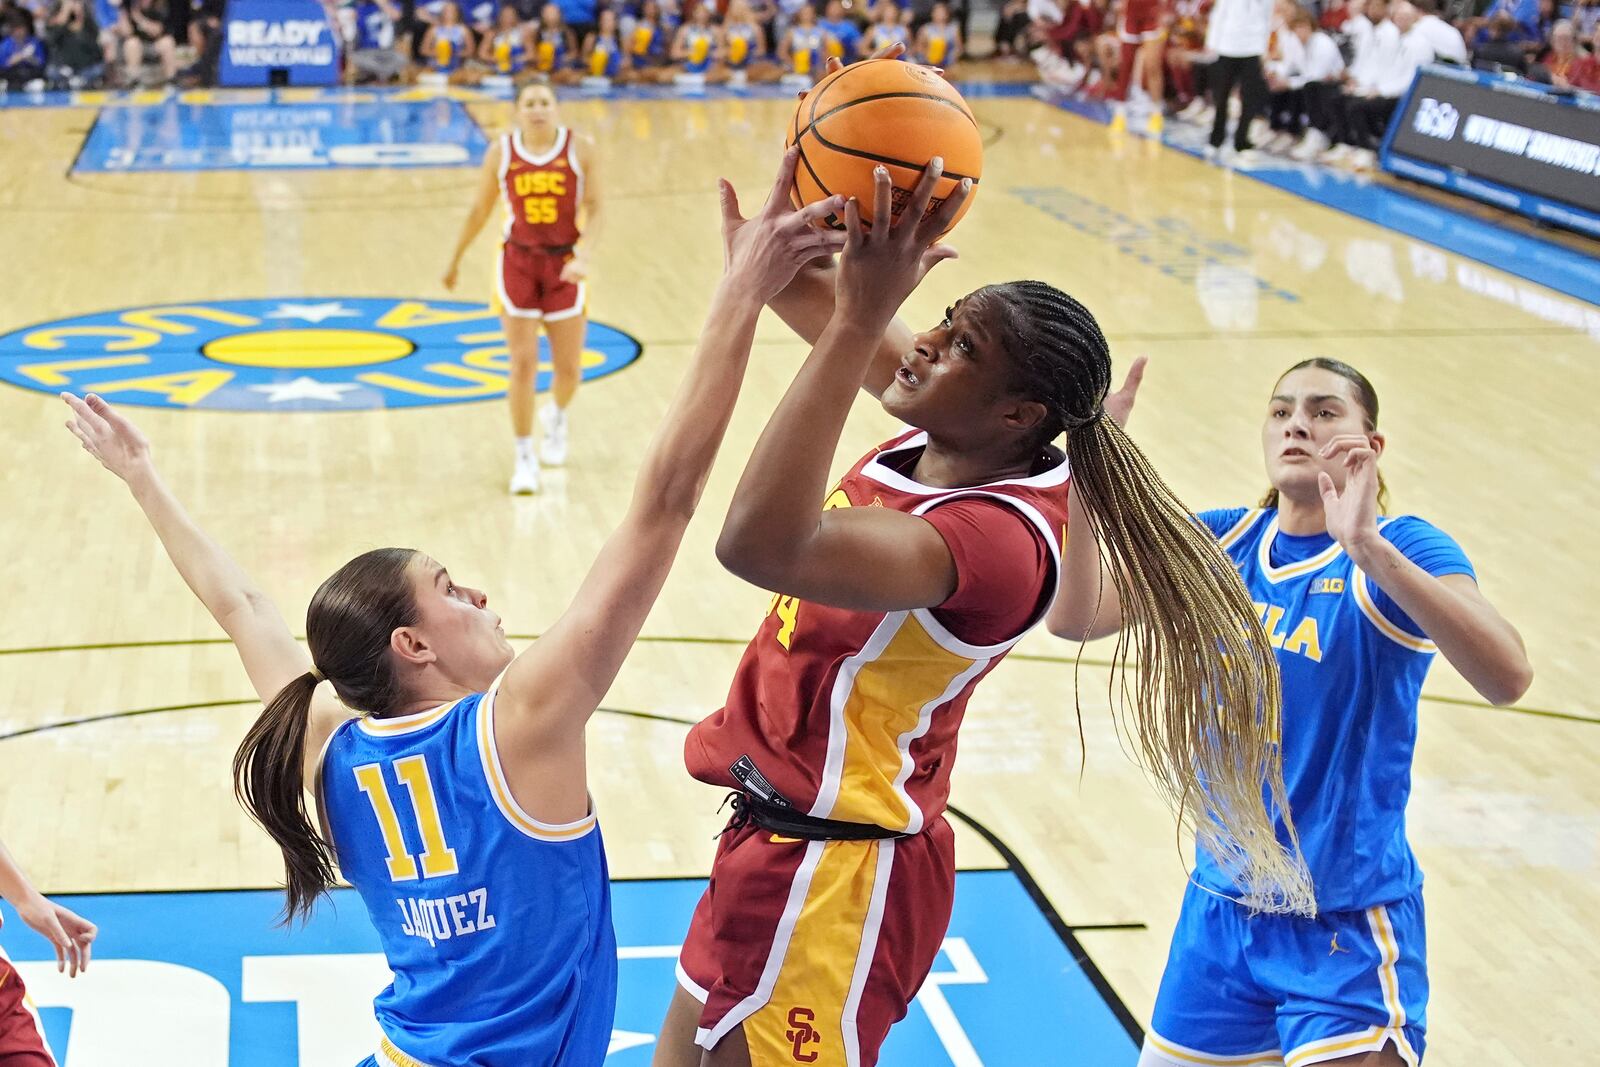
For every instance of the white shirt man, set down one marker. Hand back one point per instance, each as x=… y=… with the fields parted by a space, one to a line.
x=1444 y=40
x=1239 y=28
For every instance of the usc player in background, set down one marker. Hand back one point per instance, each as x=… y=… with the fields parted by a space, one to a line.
x=544 y=173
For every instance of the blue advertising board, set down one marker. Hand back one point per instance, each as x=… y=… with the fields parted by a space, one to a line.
x=1521 y=146
x=293 y=37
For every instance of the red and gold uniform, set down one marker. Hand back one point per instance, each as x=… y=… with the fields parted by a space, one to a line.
x=22 y=1042
x=1140 y=21
x=542 y=194
x=816 y=945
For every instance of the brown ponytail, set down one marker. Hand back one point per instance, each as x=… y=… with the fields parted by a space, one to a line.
x=348 y=627
x=267 y=782
x=1204 y=711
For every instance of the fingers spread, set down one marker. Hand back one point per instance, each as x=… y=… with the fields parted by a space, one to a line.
x=852 y=223
x=729 y=201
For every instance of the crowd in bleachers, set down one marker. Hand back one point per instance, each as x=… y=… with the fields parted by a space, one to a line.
x=1316 y=80
x=116 y=43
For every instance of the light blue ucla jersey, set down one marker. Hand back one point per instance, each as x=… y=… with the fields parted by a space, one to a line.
x=1352 y=664
x=881 y=36
x=743 y=43
x=497 y=926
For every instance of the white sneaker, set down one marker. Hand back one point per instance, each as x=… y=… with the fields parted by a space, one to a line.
x=1364 y=159
x=553 y=446
x=524 y=477
x=1249 y=159
x=1314 y=144
x=1337 y=154
x=1211 y=153
x=1280 y=144
x=1196 y=108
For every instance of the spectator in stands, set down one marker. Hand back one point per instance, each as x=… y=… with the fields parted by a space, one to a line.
x=22 y=55
x=144 y=35
x=480 y=17
x=1367 y=116
x=1186 y=43
x=1333 y=14
x=1585 y=17
x=1011 y=39
x=743 y=45
x=1443 y=39
x=1502 y=48
x=843 y=36
x=372 y=51
x=939 y=42
x=643 y=41
x=1523 y=13
x=887 y=28
x=72 y=39
x=1585 y=73
x=801 y=48
x=694 y=48
x=1309 y=78
x=580 y=17
x=555 y=46
x=1556 y=62
x=205 y=37
x=1238 y=35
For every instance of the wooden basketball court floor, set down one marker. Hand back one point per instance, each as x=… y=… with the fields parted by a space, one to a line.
x=1222 y=281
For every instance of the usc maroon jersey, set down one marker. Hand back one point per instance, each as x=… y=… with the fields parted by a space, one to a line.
x=542 y=192
x=852 y=715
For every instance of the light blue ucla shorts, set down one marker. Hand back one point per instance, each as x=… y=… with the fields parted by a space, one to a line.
x=1244 y=990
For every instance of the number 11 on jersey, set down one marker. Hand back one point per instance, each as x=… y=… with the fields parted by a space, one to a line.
x=437 y=858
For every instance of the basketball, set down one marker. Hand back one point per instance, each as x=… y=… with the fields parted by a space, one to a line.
x=882 y=111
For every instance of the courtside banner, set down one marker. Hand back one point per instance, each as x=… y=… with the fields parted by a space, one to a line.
x=1513 y=143
x=292 y=36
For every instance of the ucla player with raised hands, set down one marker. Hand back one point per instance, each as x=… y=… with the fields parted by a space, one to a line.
x=1356 y=604
x=448 y=772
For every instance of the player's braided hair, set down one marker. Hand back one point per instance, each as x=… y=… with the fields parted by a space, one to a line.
x=348 y=626
x=1203 y=715
x=1366 y=396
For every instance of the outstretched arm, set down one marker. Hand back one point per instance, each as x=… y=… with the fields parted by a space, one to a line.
x=550 y=691
x=271 y=656
x=270 y=653
x=861 y=558
x=68 y=933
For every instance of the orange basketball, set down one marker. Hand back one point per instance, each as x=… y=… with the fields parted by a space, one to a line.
x=882 y=111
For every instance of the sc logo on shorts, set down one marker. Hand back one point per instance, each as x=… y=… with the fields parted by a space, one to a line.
x=1436 y=119
x=312 y=354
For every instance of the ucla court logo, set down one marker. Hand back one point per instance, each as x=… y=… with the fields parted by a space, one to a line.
x=313 y=354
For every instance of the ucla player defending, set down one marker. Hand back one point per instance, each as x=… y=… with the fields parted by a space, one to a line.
x=1356 y=604
x=545 y=174
x=22 y=1041
x=456 y=799
x=897 y=589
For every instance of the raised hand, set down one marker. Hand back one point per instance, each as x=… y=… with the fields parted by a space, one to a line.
x=107 y=435
x=1352 y=513
x=70 y=934
x=881 y=266
x=765 y=251
x=1119 y=405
